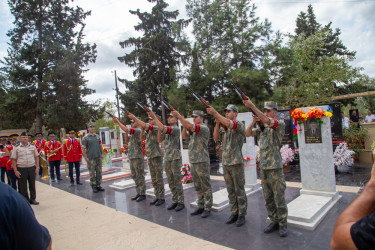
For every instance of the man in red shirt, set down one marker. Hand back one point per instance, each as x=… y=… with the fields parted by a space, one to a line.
x=3 y=140
x=53 y=150
x=39 y=144
x=73 y=155
x=13 y=179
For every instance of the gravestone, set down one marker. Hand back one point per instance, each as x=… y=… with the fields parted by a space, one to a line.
x=318 y=193
x=284 y=115
x=220 y=198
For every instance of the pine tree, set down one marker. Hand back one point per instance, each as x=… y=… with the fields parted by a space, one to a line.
x=44 y=35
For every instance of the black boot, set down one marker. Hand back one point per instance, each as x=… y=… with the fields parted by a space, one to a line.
x=205 y=214
x=271 y=227
x=283 y=231
x=240 y=221
x=141 y=198
x=95 y=190
x=154 y=201
x=179 y=207
x=172 y=206
x=160 y=202
x=197 y=211
x=100 y=188
x=135 y=197
x=232 y=219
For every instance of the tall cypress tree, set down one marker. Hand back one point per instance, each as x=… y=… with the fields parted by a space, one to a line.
x=157 y=54
x=44 y=35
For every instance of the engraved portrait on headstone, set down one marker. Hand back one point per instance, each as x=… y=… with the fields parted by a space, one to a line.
x=313 y=133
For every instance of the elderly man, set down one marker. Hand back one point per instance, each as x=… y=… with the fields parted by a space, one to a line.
x=25 y=163
x=233 y=135
x=270 y=133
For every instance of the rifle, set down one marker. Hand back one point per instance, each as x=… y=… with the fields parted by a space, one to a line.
x=147 y=109
x=241 y=94
x=112 y=116
x=201 y=99
x=165 y=103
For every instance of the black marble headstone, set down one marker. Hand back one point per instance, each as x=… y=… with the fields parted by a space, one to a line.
x=313 y=131
x=284 y=115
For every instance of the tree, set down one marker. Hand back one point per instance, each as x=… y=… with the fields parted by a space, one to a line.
x=44 y=39
x=156 y=54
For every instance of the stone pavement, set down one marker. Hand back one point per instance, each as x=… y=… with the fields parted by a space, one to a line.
x=76 y=221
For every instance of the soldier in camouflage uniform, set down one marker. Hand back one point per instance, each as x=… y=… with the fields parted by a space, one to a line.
x=92 y=150
x=199 y=134
x=172 y=159
x=270 y=133
x=135 y=157
x=154 y=155
x=233 y=135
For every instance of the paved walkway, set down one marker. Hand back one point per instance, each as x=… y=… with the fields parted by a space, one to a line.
x=78 y=223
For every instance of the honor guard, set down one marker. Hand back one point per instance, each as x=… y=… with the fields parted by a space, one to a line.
x=199 y=159
x=73 y=155
x=170 y=135
x=13 y=138
x=270 y=133
x=53 y=150
x=132 y=136
x=233 y=136
x=154 y=157
x=39 y=144
x=30 y=139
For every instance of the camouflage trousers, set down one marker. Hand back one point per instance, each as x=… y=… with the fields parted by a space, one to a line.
x=156 y=169
x=201 y=179
x=273 y=184
x=95 y=170
x=173 y=171
x=137 y=171
x=234 y=176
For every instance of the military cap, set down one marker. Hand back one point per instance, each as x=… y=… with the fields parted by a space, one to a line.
x=13 y=137
x=90 y=125
x=198 y=113
x=38 y=133
x=24 y=133
x=30 y=137
x=158 y=116
x=51 y=133
x=231 y=107
x=3 y=138
x=270 y=105
x=72 y=131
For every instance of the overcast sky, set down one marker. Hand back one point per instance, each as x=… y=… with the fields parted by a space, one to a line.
x=111 y=22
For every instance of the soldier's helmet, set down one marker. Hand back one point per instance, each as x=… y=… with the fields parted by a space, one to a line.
x=270 y=105
x=231 y=107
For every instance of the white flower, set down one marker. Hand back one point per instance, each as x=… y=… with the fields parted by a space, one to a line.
x=286 y=154
x=343 y=156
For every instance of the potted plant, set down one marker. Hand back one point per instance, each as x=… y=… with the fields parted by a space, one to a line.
x=343 y=158
x=287 y=156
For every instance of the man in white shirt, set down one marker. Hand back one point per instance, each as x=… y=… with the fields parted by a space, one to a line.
x=369 y=117
x=345 y=121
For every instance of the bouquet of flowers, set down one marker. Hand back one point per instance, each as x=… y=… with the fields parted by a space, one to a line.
x=287 y=154
x=343 y=156
x=81 y=134
x=124 y=149
x=185 y=172
x=298 y=115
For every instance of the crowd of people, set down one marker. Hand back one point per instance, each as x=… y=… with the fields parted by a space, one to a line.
x=354 y=118
x=22 y=164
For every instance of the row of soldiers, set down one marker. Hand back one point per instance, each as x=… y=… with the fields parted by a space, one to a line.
x=231 y=133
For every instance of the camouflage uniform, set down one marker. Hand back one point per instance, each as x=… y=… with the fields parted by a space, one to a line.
x=92 y=145
x=200 y=165
x=136 y=160
x=172 y=162
x=271 y=172
x=233 y=166
x=155 y=163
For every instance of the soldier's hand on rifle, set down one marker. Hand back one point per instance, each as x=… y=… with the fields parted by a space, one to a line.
x=211 y=111
x=116 y=120
x=247 y=102
x=256 y=118
x=175 y=113
x=131 y=116
x=152 y=114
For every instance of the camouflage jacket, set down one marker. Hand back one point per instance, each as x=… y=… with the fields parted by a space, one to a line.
x=232 y=141
x=152 y=145
x=270 y=144
x=198 y=145
x=171 y=142
x=135 y=145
